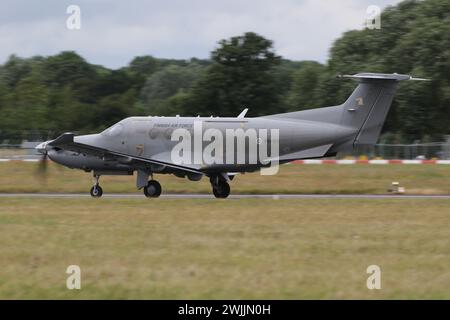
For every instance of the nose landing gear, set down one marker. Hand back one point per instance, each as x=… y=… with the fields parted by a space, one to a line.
x=96 y=190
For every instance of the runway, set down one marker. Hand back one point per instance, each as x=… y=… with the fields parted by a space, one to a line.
x=235 y=196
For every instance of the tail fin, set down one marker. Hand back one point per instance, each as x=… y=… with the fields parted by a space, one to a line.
x=364 y=111
x=368 y=105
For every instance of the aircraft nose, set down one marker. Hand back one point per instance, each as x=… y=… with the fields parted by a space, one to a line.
x=42 y=147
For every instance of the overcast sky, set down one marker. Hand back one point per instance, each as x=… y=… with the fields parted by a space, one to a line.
x=113 y=32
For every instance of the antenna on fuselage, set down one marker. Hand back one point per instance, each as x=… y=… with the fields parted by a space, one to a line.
x=242 y=114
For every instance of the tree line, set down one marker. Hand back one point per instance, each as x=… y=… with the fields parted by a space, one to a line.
x=41 y=97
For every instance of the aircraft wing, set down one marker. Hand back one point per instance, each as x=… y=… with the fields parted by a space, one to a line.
x=66 y=142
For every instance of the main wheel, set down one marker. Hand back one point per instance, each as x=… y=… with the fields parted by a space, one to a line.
x=153 y=189
x=96 y=191
x=222 y=190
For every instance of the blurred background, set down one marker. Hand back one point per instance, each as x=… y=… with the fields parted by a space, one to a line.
x=42 y=96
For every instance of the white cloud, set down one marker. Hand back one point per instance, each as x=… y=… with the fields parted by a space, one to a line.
x=113 y=33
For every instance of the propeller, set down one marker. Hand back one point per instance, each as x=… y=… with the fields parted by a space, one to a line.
x=42 y=165
x=43 y=161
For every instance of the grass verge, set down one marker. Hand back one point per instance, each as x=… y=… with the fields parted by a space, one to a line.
x=230 y=249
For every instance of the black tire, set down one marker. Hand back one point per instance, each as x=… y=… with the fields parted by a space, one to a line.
x=216 y=193
x=153 y=189
x=222 y=190
x=96 y=191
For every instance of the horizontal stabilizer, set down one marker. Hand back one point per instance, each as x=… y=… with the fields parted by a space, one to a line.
x=380 y=76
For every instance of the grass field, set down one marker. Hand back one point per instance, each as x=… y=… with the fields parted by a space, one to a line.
x=236 y=248
x=359 y=178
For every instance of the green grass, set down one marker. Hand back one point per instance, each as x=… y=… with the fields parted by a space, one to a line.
x=358 y=178
x=235 y=248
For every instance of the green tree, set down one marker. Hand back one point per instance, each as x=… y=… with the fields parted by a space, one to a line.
x=303 y=94
x=144 y=65
x=66 y=68
x=166 y=83
x=240 y=76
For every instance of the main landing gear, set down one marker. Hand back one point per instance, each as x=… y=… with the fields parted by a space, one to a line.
x=152 y=189
x=220 y=187
x=96 y=190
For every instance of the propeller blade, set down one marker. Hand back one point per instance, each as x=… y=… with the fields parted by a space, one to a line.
x=42 y=166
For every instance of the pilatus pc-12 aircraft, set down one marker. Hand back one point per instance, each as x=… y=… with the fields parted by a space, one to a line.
x=145 y=144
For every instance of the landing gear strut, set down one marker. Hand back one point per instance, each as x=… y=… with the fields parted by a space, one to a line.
x=96 y=190
x=152 y=189
x=220 y=187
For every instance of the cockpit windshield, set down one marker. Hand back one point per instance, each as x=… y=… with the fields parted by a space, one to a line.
x=114 y=130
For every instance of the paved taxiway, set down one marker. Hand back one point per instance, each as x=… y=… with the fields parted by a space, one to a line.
x=235 y=196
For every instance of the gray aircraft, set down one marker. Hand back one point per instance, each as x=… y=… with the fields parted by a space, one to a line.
x=146 y=144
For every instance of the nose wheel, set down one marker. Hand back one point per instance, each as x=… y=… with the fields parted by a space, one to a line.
x=96 y=190
x=153 y=189
x=220 y=188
